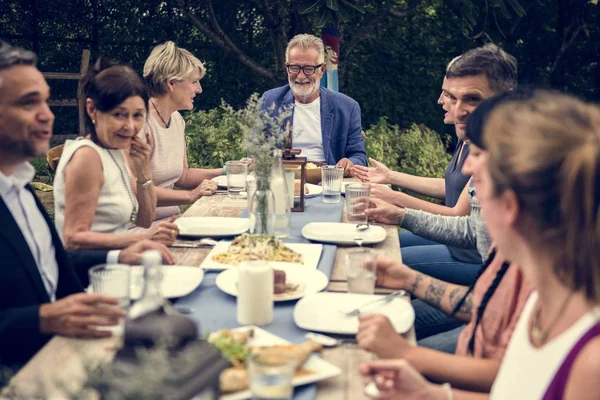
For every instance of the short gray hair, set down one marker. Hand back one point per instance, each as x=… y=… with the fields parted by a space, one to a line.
x=11 y=56
x=499 y=67
x=306 y=41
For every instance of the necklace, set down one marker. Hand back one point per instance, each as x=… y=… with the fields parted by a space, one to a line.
x=167 y=124
x=540 y=335
x=127 y=183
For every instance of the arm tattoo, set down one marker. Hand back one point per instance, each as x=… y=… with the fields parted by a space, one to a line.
x=456 y=296
x=418 y=279
x=435 y=292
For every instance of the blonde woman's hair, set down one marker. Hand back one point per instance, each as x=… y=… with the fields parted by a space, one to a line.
x=305 y=42
x=547 y=150
x=167 y=62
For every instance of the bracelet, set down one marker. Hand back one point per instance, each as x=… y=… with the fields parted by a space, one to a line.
x=448 y=389
x=145 y=184
x=224 y=172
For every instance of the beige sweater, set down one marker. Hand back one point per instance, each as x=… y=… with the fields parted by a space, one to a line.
x=168 y=157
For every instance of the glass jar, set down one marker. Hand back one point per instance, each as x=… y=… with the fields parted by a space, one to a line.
x=279 y=188
x=262 y=208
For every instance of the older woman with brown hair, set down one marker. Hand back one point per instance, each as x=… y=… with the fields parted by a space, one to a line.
x=539 y=191
x=96 y=194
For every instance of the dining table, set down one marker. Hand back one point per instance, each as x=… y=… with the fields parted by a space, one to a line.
x=60 y=366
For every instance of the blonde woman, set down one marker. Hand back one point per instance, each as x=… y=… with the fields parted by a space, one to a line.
x=173 y=77
x=539 y=191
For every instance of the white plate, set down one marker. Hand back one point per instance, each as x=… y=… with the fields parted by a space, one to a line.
x=324 y=312
x=313 y=191
x=220 y=180
x=308 y=281
x=342 y=233
x=321 y=368
x=310 y=252
x=212 y=226
x=178 y=281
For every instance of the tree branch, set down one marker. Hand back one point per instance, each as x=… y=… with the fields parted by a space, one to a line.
x=220 y=38
x=370 y=26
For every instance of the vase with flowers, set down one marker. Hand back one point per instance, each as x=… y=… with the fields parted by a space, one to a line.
x=265 y=131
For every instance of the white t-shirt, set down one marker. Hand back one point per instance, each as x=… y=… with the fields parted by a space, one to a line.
x=526 y=371
x=306 y=130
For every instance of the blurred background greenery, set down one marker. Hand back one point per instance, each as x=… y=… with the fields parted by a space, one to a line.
x=392 y=58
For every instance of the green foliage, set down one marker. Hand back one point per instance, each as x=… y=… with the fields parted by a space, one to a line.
x=329 y=11
x=213 y=137
x=416 y=151
x=41 y=166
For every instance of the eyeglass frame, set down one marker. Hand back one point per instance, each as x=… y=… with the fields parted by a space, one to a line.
x=301 y=68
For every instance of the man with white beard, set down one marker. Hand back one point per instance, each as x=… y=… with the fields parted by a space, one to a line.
x=325 y=124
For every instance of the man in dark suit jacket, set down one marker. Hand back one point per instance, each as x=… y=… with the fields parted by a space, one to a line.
x=325 y=124
x=40 y=291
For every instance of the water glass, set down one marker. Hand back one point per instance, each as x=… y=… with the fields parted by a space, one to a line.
x=237 y=172
x=360 y=270
x=113 y=280
x=271 y=375
x=331 y=178
x=355 y=208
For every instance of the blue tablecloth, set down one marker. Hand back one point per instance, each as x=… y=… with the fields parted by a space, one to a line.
x=214 y=310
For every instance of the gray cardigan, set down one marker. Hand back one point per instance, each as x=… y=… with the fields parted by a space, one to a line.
x=467 y=232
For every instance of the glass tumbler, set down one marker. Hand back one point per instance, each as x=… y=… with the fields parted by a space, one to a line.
x=331 y=178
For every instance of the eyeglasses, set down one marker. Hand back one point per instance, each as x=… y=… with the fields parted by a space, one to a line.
x=307 y=69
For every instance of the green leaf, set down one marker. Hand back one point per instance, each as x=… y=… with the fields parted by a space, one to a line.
x=309 y=6
x=332 y=5
x=324 y=18
x=517 y=7
x=354 y=6
x=343 y=14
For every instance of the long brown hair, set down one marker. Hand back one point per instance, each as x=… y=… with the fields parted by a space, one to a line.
x=547 y=150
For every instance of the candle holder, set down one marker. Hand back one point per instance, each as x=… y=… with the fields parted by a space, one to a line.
x=297 y=164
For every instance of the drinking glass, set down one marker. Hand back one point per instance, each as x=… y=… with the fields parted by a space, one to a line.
x=236 y=178
x=360 y=270
x=113 y=280
x=355 y=208
x=331 y=178
x=271 y=376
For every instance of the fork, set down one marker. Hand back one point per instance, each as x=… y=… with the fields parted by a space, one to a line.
x=386 y=299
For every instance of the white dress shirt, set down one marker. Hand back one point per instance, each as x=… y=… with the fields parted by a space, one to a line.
x=30 y=220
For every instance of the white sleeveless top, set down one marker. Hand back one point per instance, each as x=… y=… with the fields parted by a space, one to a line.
x=526 y=371
x=166 y=161
x=114 y=209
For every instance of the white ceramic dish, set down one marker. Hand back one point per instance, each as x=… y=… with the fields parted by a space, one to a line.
x=308 y=281
x=311 y=254
x=313 y=190
x=342 y=233
x=321 y=368
x=220 y=180
x=324 y=312
x=212 y=226
x=178 y=281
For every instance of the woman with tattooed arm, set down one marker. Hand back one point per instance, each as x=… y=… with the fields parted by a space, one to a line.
x=491 y=307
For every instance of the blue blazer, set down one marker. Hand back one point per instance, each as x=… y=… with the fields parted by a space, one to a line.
x=22 y=290
x=340 y=123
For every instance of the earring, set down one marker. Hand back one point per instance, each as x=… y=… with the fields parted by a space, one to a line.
x=94 y=122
